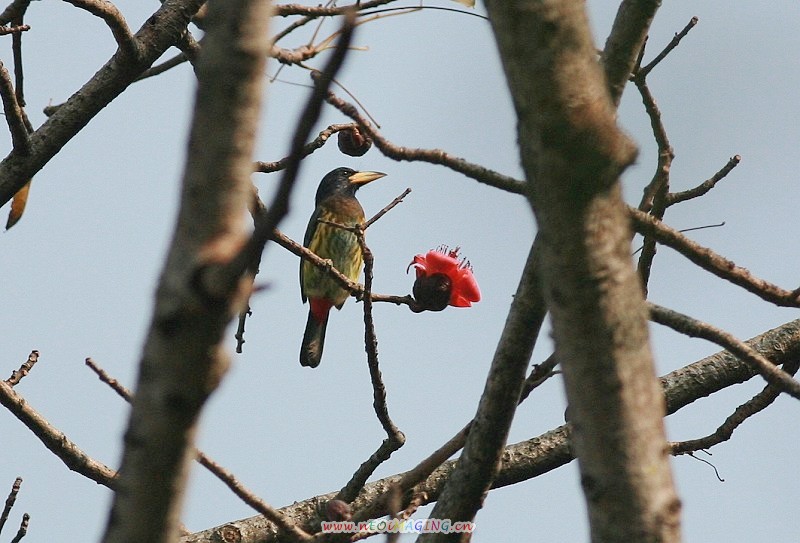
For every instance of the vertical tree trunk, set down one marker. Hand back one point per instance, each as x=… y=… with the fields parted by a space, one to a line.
x=183 y=360
x=573 y=153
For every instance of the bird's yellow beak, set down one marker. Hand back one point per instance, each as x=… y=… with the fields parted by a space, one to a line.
x=362 y=178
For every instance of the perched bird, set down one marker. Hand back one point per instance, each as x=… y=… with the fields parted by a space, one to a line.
x=335 y=202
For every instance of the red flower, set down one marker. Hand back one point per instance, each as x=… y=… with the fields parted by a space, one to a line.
x=443 y=279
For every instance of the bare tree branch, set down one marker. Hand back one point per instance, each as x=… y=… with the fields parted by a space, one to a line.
x=183 y=358
x=24 y=369
x=308 y=148
x=158 y=33
x=695 y=328
x=58 y=443
x=711 y=261
x=216 y=469
x=14 y=114
x=23 y=528
x=432 y=156
x=704 y=187
x=642 y=73
x=754 y=405
x=626 y=39
x=10 y=500
x=572 y=153
x=551 y=450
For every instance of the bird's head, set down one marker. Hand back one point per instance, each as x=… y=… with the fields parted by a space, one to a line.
x=344 y=181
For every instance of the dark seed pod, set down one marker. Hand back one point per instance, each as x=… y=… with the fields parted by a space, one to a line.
x=432 y=292
x=353 y=142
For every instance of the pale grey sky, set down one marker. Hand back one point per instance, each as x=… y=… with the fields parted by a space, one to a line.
x=80 y=269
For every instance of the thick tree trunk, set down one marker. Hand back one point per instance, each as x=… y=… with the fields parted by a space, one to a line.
x=183 y=360
x=573 y=153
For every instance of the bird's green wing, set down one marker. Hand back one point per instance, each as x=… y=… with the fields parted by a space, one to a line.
x=311 y=229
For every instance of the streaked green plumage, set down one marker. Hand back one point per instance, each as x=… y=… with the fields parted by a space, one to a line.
x=335 y=202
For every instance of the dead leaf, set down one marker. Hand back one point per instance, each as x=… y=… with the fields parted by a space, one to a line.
x=18 y=205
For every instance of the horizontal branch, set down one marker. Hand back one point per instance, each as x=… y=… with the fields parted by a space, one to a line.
x=307 y=149
x=285 y=10
x=433 y=156
x=551 y=450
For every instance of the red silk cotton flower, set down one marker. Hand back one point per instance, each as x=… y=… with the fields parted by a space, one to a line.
x=443 y=279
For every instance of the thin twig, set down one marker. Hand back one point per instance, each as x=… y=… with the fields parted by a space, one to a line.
x=694 y=328
x=701 y=189
x=14 y=114
x=24 y=369
x=670 y=46
x=18 y=29
x=754 y=405
x=432 y=156
x=538 y=375
x=115 y=385
x=167 y=65
x=654 y=197
x=10 y=500
x=221 y=473
x=712 y=262
x=283 y=522
x=391 y=205
x=23 y=528
x=394 y=437
x=313 y=13
x=308 y=148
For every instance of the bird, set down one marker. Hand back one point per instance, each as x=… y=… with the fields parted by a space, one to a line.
x=335 y=202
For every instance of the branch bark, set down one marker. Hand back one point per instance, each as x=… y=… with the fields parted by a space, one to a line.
x=183 y=358
x=536 y=456
x=159 y=32
x=573 y=153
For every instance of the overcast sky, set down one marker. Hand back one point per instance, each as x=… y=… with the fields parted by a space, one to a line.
x=79 y=270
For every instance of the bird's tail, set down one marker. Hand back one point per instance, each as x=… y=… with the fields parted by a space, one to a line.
x=314 y=336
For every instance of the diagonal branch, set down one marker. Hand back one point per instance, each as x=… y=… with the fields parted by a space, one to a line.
x=24 y=369
x=159 y=32
x=15 y=117
x=711 y=261
x=754 y=405
x=216 y=469
x=10 y=500
x=308 y=148
x=55 y=440
x=626 y=39
x=670 y=46
x=704 y=187
x=694 y=328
